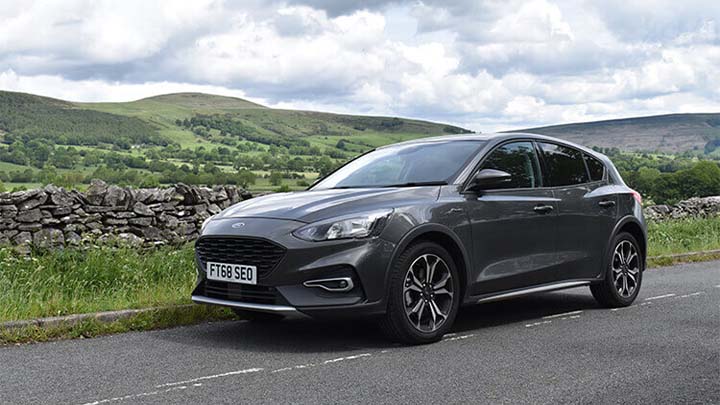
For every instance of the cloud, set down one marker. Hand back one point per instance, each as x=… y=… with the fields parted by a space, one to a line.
x=481 y=64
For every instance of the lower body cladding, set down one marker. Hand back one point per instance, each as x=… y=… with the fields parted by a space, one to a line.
x=292 y=277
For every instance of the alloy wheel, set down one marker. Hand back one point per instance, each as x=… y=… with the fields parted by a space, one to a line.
x=626 y=268
x=428 y=293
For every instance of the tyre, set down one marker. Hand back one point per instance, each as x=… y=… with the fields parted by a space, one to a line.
x=255 y=316
x=623 y=275
x=424 y=295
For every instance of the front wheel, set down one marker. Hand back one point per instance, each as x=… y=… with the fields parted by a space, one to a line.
x=424 y=295
x=623 y=275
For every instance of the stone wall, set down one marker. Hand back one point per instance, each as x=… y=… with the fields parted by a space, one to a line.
x=54 y=217
x=693 y=207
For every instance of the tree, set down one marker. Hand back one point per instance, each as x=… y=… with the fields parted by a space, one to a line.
x=275 y=178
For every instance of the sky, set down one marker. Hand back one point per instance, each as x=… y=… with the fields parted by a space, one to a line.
x=483 y=65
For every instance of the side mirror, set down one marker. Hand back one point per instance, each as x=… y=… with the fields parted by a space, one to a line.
x=488 y=179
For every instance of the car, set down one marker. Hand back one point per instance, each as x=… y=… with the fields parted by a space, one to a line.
x=410 y=232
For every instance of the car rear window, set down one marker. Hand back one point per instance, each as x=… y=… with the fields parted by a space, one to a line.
x=565 y=165
x=595 y=167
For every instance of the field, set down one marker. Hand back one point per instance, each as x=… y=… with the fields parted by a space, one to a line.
x=184 y=137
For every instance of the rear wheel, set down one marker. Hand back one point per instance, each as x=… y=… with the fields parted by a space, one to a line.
x=255 y=316
x=424 y=295
x=623 y=275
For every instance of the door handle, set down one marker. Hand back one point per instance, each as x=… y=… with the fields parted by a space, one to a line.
x=607 y=203
x=542 y=209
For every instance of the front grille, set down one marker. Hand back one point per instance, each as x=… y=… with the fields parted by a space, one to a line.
x=248 y=251
x=255 y=294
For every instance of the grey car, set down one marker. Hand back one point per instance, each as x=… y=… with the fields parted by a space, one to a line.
x=409 y=232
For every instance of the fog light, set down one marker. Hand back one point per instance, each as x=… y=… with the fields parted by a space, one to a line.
x=340 y=284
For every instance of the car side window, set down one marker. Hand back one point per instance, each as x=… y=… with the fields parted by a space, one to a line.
x=595 y=167
x=565 y=165
x=519 y=160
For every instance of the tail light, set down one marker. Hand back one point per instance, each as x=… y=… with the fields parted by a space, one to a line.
x=636 y=196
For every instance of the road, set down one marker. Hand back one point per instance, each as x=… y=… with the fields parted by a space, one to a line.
x=547 y=348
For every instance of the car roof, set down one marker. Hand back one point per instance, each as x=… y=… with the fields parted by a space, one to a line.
x=496 y=136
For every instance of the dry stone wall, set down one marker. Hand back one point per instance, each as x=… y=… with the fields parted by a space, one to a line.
x=55 y=217
x=694 y=207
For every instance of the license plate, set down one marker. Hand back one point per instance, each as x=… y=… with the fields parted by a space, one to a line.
x=233 y=273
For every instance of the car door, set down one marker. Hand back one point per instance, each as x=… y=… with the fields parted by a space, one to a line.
x=586 y=209
x=513 y=227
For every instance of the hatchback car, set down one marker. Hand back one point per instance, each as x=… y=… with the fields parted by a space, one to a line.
x=410 y=232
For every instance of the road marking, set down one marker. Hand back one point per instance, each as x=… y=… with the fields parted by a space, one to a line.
x=458 y=337
x=530 y=325
x=294 y=367
x=357 y=356
x=211 y=377
x=140 y=395
x=562 y=315
x=659 y=297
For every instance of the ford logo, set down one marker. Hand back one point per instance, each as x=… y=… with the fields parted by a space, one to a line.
x=238 y=225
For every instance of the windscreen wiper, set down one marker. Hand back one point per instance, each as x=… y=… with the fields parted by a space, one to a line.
x=418 y=184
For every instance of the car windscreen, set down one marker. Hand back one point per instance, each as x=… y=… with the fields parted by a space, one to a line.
x=404 y=165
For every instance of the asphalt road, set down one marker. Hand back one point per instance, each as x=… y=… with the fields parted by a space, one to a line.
x=548 y=348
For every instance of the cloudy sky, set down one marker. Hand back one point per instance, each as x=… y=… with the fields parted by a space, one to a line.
x=485 y=65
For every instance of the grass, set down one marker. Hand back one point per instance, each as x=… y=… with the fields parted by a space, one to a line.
x=157 y=319
x=63 y=282
x=99 y=279
x=683 y=235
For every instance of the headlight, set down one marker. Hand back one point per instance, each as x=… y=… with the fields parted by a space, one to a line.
x=204 y=224
x=354 y=226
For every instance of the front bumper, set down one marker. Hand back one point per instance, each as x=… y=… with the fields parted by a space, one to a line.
x=271 y=308
x=281 y=288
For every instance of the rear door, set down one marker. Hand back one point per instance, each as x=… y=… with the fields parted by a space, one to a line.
x=586 y=210
x=513 y=228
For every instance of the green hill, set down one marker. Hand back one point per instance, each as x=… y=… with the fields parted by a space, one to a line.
x=26 y=115
x=671 y=133
x=191 y=137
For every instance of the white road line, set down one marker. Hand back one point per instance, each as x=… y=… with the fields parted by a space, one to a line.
x=140 y=395
x=458 y=337
x=562 y=315
x=659 y=297
x=211 y=377
x=294 y=367
x=530 y=325
x=357 y=356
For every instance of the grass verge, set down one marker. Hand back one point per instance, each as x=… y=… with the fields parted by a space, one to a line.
x=156 y=319
x=683 y=235
x=63 y=282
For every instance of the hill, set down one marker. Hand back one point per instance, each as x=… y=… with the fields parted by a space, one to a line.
x=671 y=133
x=26 y=115
x=190 y=137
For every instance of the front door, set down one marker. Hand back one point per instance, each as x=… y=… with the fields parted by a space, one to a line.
x=513 y=227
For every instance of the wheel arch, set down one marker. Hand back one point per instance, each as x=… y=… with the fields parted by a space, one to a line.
x=631 y=225
x=444 y=237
